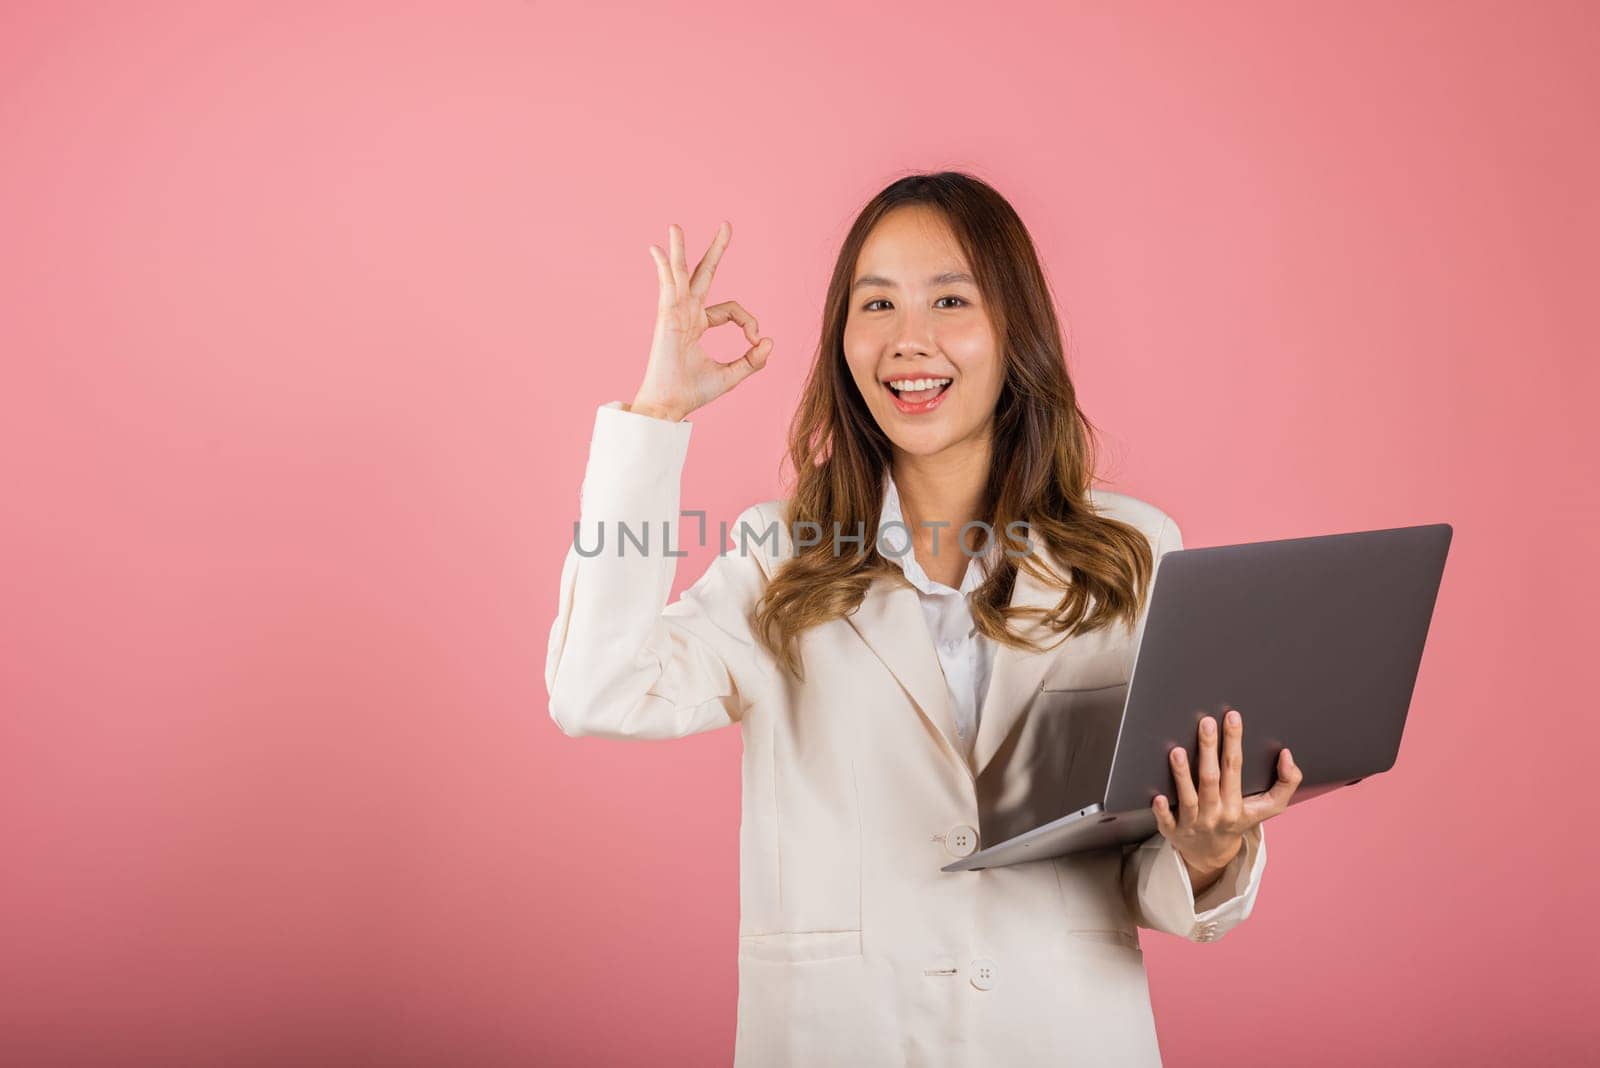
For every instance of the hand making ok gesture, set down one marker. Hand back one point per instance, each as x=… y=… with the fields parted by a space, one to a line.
x=681 y=376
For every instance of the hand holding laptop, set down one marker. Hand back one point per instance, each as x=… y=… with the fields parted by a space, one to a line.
x=1208 y=828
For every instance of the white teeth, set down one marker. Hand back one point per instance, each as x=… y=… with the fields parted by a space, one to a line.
x=909 y=385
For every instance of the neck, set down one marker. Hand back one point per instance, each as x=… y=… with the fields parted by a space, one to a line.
x=944 y=488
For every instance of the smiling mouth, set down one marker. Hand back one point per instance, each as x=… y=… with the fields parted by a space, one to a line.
x=925 y=395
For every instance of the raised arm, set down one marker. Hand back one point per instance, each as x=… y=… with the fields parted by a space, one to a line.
x=622 y=662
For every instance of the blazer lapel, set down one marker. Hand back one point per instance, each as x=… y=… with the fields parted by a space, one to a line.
x=1016 y=673
x=890 y=621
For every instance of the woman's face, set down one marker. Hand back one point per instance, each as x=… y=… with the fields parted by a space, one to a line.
x=916 y=313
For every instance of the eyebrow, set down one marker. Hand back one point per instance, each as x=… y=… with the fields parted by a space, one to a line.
x=947 y=278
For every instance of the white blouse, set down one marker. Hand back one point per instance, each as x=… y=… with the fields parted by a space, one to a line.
x=966 y=655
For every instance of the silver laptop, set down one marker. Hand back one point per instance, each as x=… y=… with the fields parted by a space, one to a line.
x=1315 y=640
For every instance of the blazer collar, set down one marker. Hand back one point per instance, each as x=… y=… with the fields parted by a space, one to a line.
x=890 y=621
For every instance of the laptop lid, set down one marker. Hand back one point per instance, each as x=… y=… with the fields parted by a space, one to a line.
x=1316 y=641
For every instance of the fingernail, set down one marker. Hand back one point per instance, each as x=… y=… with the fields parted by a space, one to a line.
x=1179 y=755
x=1208 y=725
x=1233 y=717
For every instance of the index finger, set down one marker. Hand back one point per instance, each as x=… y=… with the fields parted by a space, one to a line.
x=703 y=271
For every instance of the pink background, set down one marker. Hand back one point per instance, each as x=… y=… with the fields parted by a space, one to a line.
x=307 y=310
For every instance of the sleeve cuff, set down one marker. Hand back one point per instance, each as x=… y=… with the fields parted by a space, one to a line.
x=1167 y=898
x=635 y=465
x=1242 y=872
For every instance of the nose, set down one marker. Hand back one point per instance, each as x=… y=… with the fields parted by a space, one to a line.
x=915 y=334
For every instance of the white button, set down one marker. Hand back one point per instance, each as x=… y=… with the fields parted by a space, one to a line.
x=961 y=840
x=984 y=973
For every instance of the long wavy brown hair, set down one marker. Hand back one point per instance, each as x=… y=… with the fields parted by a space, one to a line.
x=1043 y=450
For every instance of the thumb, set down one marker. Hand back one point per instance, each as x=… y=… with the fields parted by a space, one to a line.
x=752 y=361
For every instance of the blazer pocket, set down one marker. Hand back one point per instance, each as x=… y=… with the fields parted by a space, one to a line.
x=794 y=947
x=1123 y=939
x=1089 y=671
x=1078 y=710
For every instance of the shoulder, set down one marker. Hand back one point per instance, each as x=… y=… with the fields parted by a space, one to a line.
x=760 y=533
x=1155 y=523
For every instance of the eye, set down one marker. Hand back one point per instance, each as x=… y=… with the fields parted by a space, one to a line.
x=868 y=306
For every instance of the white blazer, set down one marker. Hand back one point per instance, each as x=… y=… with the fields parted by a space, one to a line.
x=854 y=947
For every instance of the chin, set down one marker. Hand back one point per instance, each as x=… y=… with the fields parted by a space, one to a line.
x=924 y=444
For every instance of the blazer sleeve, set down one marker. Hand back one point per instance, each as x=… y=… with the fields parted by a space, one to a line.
x=621 y=662
x=1155 y=881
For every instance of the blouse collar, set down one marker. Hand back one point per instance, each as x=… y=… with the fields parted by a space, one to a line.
x=977 y=566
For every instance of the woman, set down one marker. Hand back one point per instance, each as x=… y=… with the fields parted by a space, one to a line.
x=901 y=708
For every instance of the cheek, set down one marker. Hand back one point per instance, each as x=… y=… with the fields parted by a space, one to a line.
x=856 y=335
x=970 y=338
x=980 y=367
x=860 y=356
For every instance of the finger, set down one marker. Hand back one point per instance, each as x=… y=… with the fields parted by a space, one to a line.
x=718 y=314
x=669 y=288
x=707 y=267
x=1188 y=801
x=1232 y=760
x=680 y=268
x=1165 y=823
x=1210 y=772
x=1266 y=805
x=752 y=361
x=759 y=352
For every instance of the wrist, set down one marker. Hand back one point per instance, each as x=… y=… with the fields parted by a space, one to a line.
x=1208 y=872
x=655 y=411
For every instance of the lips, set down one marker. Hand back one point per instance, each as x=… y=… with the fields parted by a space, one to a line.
x=919 y=401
